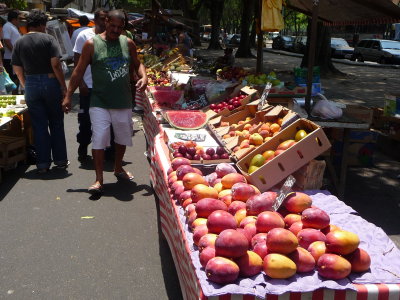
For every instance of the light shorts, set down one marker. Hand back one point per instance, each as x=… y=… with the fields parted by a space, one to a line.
x=102 y=119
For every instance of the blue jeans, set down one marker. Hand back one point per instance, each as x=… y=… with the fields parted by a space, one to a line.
x=43 y=96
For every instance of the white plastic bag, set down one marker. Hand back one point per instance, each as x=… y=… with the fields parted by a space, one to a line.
x=326 y=109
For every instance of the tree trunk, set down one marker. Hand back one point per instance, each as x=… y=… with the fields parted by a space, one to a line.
x=322 y=50
x=247 y=14
x=216 y=10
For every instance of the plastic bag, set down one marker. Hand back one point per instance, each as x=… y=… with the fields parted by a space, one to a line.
x=326 y=109
x=216 y=89
x=64 y=67
x=6 y=82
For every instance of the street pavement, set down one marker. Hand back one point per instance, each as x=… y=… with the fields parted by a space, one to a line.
x=58 y=242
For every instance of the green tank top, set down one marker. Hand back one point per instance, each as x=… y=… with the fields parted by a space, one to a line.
x=110 y=73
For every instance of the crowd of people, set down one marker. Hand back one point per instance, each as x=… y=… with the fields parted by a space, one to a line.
x=105 y=60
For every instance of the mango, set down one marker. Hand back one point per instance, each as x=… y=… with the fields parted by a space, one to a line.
x=296 y=227
x=297 y=202
x=329 y=228
x=201 y=191
x=279 y=266
x=183 y=196
x=290 y=219
x=224 y=193
x=207 y=205
x=240 y=215
x=220 y=220
x=207 y=240
x=261 y=249
x=259 y=238
x=248 y=220
x=218 y=186
x=250 y=264
x=198 y=232
x=229 y=180
x=333 y=266
x=235 y=206
x=252 y=169
x=304 y=261
x=268 y=220
x=206 y=255
x=179 y=161
x=231 y=243
x=315 y=218
x=360 y=260
x=259 y=203
x=192 y=179
x=280 y=240
x=317 y=249
x=221 y=270
x=183 y=170
x=258 y=160
x=301 y=134
x=342 y=242
x=199 y=222
x=309 y=235
x=242 y=191
x=286 y=145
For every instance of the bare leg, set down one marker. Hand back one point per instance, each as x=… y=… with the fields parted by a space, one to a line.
x=119 y=155
x=98 y=158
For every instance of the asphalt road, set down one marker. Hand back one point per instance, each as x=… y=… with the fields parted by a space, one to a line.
x=49 y=250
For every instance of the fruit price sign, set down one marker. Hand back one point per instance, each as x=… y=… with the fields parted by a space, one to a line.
x=284 y=192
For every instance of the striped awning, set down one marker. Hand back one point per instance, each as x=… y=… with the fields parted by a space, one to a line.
x=351 y=12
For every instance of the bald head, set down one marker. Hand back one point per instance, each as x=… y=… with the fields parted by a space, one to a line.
x=116 y=14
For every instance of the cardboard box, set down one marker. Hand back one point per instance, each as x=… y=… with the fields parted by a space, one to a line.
x=290 y=160
x=360 y=113
x=286 y=102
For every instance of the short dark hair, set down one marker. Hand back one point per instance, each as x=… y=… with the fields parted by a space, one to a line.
x=117 y=13
x=83 y=20
x=12 y=15
x=35 y=18
x=98 y=11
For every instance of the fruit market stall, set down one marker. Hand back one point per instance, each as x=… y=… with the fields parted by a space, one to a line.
x=219 y=188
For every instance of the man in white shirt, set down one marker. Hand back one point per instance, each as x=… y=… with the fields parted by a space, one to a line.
x=10 y=37
x=83 y=22
x=85 y=127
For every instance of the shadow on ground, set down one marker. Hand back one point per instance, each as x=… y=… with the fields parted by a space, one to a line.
x=10 y=178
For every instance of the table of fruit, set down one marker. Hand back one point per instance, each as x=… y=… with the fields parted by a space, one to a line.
x=10 y=105
x=232 y=239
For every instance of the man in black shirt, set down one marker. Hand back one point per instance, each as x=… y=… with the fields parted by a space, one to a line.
x=36 y=61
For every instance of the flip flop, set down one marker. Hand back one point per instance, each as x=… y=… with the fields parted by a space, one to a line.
x=95 y=188
x=126 y=175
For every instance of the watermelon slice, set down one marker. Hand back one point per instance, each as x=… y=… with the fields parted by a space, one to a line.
x=167 y=97
x=186 y=119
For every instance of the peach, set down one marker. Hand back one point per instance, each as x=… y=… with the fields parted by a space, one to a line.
x=280 y=240
x=250 y=264
x=264 y=133
x=279 y=266
x=315 y=218
x=317 y=249
x=231 y=243
x=333 y=266
x=235 y=206
x=360 y=260
x=222 y=270
x=256 y=139
x=206 y=255
x=207 y=240
x=259 y=203
x=242 y=191
x=297 y=202
x=207 y=205
x=304 y=261
x=277 y=152
x=342 y=242
x=309 y=235
x=268 y=220
x=220 y=220
x=290 y=219
x=190 y=180
x=274 y=127
x=229 y=180
x=198 y=232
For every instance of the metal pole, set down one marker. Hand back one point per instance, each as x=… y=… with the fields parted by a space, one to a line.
x=311 y=54
x=260 y=40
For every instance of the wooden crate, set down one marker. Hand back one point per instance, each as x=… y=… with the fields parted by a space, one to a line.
x=310 y=176
x=12 y=150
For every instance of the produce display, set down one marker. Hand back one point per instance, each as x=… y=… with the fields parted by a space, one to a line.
x=186 y=119
x=192 y=151
x=230 y=104
x=159 y=78
x=238 y=233
x=262 y=79
x=232 y=73
x=7 y=100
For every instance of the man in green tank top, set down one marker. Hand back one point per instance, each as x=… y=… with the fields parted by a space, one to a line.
x=114 y=61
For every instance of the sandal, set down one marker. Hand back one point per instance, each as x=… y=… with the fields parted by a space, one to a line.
x=125 y=175
x=95 y=188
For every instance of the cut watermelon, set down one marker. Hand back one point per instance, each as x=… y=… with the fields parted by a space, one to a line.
x=167 y=97
x=186 y=119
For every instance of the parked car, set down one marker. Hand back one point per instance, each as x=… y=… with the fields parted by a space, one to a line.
x=340 y=48
x=282 y=42
x=381 y=51
x=299 y=44
x=234 y=40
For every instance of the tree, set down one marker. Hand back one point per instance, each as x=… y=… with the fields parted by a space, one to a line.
x=247 y=15
x=16 y=4
x=216 y=8
x=231 y=17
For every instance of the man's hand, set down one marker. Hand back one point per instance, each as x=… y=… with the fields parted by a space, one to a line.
x=83 y=89
x=66 y=105
x=141 y=84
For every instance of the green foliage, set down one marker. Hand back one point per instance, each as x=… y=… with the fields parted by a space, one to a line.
x=231 y=16
x=17 y=4
x=295 y=22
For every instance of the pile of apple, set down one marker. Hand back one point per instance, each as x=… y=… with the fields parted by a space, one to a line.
x=192 y=151
x=229 y=103
x=237 y=232
x=232 y=73
x=260 y=159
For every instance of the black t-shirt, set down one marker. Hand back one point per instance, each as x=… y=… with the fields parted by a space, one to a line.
x=33 y=52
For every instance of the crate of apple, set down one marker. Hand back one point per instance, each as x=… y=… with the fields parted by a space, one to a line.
x=199 y=153
x=230 y=103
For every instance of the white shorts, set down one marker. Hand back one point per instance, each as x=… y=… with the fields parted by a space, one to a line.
x=102 y=119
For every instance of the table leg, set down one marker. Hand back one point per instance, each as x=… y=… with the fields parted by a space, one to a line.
x=343 y=166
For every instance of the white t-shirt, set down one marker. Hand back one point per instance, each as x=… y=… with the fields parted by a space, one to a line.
x=82 y=37
x=75 y=34
x=10 y=32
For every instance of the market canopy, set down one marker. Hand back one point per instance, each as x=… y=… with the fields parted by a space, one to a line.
x=347 y=12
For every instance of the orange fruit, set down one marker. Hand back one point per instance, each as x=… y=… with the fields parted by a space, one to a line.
x=274 y=127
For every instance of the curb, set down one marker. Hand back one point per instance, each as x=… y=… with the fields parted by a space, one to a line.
x=336 y=60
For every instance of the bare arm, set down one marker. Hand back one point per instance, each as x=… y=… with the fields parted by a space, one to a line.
x=137 y=66
x=83 y=89
x=77 y=75
x=20 y=74
x=57 y=69
x=7 y=43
